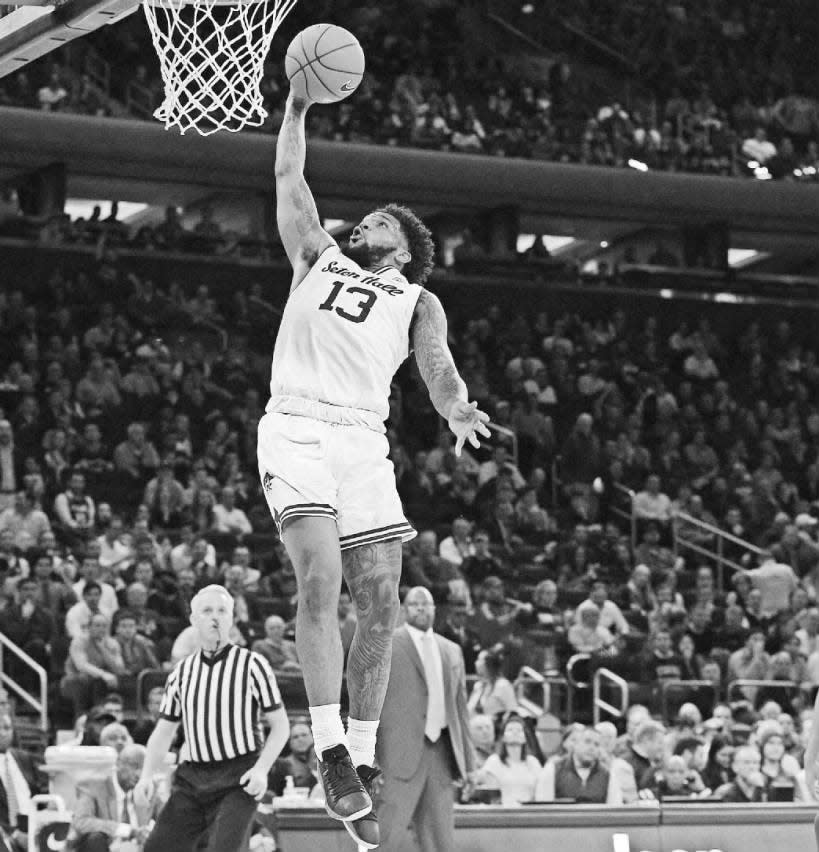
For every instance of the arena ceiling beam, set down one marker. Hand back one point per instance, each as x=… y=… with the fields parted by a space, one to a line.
x=141 y=161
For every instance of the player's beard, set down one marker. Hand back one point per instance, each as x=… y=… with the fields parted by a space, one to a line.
x=364 y=255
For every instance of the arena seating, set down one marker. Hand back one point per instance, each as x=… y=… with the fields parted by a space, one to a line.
x=703 y=90
x=153 y=399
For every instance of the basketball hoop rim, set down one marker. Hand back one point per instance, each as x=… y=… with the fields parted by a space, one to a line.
x=180 y=4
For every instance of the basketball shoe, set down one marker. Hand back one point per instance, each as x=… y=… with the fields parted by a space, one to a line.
x=345 y=796
x=364 y=830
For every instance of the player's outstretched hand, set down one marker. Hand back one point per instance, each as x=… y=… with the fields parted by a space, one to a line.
x=254 y=782
x=467 y=421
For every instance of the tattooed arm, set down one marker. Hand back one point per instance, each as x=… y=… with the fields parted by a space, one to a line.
x=446 y=388
x=299 y=225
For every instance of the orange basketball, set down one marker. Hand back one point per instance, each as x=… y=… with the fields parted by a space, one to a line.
x=324 y=63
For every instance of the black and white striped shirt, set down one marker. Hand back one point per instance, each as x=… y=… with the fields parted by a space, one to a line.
x=218 y=699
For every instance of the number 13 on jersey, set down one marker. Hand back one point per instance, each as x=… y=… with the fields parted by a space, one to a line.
x=364 y=305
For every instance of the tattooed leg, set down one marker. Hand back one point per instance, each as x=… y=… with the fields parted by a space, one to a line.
x=372 y=572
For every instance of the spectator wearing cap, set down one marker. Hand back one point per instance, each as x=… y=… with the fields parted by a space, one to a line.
x=25 y=521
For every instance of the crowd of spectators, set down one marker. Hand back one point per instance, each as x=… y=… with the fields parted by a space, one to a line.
x=720 y=109
x=127 y=481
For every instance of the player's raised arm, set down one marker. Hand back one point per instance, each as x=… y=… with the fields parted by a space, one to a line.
x=299 y=225
x=446 y=388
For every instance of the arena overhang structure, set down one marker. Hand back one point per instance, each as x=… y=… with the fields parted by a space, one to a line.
x=140 y=161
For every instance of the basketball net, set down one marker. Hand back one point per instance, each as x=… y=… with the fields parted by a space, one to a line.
x=212 y=54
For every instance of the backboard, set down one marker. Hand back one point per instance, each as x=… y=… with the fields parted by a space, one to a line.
x=31 y=28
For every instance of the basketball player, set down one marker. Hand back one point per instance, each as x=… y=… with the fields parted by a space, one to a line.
x=352 y=317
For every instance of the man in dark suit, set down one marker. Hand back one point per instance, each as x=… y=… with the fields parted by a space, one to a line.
x=106 y=809
x=31 y=626
x=423 y=742
x=19 y=781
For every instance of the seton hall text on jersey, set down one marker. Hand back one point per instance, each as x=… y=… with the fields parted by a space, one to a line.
x=372 y=280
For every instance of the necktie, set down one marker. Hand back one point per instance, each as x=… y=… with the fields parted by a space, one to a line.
x=126 y=817
x=436 y=710
x=11 y=792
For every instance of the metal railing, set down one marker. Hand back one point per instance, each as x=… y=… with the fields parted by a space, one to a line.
x=600 y=704
x=668 y=686
x=574 y=684
x=98 y=70
x=508 y=435
x=741 y=684
x=40 y=706
x=721 y=537
x=528 y=677
x=629 y=516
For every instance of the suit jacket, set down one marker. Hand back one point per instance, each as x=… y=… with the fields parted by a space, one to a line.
x=27 y=764
x=96 y=809
x=24 y=630
x=403 y=717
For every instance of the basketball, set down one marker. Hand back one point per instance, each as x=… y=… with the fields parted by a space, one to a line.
x=324 y=63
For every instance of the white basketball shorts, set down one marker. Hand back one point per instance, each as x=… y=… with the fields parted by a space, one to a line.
x=315 y=468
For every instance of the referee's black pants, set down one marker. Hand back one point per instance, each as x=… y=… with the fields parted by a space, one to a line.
x=206 y=797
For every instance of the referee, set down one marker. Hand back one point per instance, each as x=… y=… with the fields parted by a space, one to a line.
x=217 y=694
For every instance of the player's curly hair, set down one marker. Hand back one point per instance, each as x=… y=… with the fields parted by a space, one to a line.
x=419 y=240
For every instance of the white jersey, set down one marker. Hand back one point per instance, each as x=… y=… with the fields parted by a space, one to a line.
x=344 y=333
